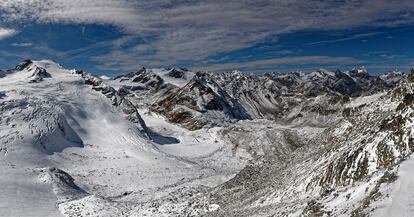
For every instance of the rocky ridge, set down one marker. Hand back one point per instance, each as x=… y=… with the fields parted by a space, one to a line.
x=324 y=143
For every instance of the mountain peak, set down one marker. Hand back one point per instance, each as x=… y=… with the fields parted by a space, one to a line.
x=246 y=123
x=177 y=73
x=359 y=70
x=22 y=65
x=321 y=73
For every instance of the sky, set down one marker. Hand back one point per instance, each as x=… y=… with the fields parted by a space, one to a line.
x=118 y=36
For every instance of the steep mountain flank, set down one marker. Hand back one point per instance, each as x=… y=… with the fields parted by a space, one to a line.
x=170 y=142
x=201 y=102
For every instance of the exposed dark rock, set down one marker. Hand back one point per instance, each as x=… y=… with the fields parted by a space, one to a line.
x=201 y=101
x=119 y=100
x=38 y=74
x=24 y=64
x=176 y=73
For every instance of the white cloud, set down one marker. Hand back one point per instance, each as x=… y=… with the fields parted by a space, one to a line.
x=22 y=44
x=7 y=33
x=176 y=31
x=353 y=37
x=275 y=62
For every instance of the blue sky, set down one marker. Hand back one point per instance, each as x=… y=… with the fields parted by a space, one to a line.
x=117 y=36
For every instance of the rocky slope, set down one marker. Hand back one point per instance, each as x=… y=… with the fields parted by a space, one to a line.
x=170 y=142
x=199 y=103
x=72 y=145
x=342 y=169
x=340 y=132
x=281 y=97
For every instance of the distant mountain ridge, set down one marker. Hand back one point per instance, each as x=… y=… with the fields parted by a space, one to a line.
x=237 y=96
x=171 y=142
x=195 y=100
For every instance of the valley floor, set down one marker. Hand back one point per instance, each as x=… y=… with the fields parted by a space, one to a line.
x=67 y=150
x=115 y=169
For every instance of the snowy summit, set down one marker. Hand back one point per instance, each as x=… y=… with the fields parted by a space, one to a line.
x=121 y=108
x=191 y=143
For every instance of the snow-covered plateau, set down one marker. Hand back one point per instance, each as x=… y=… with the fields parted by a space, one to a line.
x=171 y=142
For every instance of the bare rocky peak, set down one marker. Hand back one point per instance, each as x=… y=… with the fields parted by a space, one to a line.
x=323 y=143
x=24 y=64
x=36 y=73
x=201 y=102
x=272 y=95
x=177 y=73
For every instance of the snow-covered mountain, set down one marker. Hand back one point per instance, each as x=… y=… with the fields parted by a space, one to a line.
x=199 y=103
x=171 y=142
x=236 y=96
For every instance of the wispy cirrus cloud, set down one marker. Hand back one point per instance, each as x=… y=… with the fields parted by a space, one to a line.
x=7 y=33
x=353 y=37
x=180 y=31
x=277 y=62
x=24 y=44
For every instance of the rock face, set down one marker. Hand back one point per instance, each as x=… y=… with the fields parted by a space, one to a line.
x=147 y=79
x=34 y=72
x=118 y=99
x=38 y=74
x=144 y=86
x=316 y=169
x=274 y=96
x=318 y=144
x=392 y=77
x=2 y=73
x=24 y=64
x=201 y=102
x=63 y=184
x=177 y=73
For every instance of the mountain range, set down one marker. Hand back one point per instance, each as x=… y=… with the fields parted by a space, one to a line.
x=172 y=142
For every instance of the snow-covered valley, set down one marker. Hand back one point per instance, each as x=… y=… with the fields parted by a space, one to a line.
x=170 y=142
x=62 y=123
